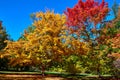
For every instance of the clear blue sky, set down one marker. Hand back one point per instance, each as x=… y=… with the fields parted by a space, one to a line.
x=15 y=14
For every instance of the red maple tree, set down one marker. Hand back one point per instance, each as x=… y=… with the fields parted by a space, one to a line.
x=90 y=10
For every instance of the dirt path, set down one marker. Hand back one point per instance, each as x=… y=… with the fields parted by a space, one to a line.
x=27 y=77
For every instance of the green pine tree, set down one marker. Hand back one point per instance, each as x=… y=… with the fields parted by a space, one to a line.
x=3 y=36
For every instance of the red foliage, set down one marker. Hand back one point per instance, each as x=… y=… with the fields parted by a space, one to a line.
x=89 y=10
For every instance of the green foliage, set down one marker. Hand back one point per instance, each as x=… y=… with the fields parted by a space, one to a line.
x=115 y=8
x=71 y=64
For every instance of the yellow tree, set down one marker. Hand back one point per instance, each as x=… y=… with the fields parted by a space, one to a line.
x=48 y=42
x=51 y=39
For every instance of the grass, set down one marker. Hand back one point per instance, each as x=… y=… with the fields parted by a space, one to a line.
x=47 y=74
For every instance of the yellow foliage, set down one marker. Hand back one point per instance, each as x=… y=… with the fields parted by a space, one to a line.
x=45 y=43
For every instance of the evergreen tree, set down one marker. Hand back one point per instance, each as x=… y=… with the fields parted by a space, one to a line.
x=3 y=36
x=115 y=9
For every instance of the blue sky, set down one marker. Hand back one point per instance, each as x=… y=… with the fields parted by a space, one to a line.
x=15 y=14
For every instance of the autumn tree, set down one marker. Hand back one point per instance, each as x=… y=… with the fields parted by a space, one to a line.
x=110 y=33
x=85 y=20
x=109 y=40
x=85 y=17
x=48 y=42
